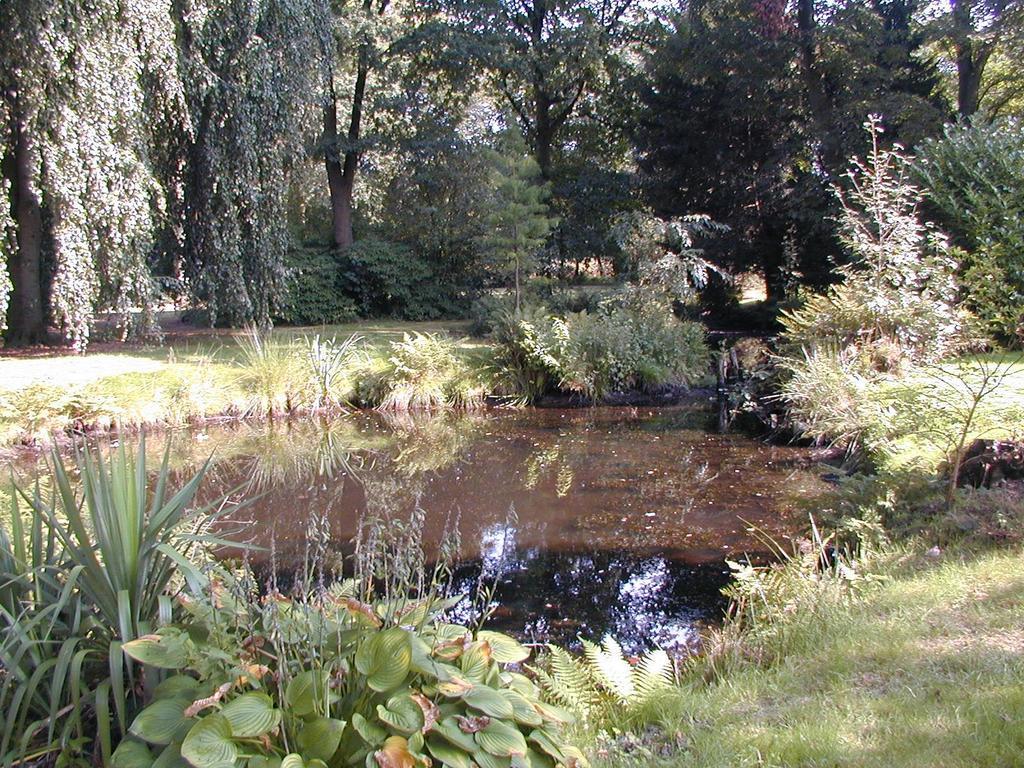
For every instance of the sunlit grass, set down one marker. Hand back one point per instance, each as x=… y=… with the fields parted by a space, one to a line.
x=922 y=669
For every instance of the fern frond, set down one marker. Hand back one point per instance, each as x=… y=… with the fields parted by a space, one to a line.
x=568 y=682
x=609 y=666
x=652 y=675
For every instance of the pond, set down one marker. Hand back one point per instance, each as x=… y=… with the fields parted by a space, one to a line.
x=589 y=522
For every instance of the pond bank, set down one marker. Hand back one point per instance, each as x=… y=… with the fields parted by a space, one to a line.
x=919 y=665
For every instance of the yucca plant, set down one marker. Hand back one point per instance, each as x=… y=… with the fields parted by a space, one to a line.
x=91 y=570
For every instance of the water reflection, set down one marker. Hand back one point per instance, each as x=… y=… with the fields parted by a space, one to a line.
x=622 y=517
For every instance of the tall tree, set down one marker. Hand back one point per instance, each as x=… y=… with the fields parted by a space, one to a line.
x=519 y=219
x=546 y=57
x=976 y=29
x=253 y=74
x=82 y=87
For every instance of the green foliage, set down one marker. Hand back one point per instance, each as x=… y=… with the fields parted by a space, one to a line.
x=90 y=570
x=388 y=280
x=974 y=176
x=330 y=679
x=604 y=688
x=518 y=219
x=423 y=370
x=898 y=298
x=314 y=296
x=271 y=372
x=633 y=344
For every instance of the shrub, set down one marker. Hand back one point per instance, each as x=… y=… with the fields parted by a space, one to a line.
x=389 y=280
x=314 y=293
x=82 y=572
x=271 y=373
x=899 y=293
x=634 y=344
x=423 y=370
x=974 y=176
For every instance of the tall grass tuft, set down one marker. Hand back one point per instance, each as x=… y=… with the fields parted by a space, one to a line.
x=422 y=371
x=271 y=374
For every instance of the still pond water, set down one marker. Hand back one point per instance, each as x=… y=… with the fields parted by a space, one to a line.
x=590 y=522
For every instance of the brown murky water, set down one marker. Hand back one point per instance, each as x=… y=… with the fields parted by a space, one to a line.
x=612 y=520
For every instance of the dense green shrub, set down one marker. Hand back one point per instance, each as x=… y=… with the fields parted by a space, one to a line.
x=423 y=370
x=631 y=344
x=389 y=280
x=899 y=294
x=83 y=571
x=974 y=176
x=314 y=292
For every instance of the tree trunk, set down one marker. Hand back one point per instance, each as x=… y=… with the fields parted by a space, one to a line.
x=26 y=318
x=544 y=132
x=341 y=214
x=971 y=58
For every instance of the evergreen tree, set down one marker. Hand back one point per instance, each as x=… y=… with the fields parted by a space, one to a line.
x=519 y=220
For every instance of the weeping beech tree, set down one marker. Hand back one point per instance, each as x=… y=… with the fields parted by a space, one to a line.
x=82 y=87
x=253 y=72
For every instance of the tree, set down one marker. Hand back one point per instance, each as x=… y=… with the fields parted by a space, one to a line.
x=546 y=58
x=253 y=77
x=82 y=89
x=519 y=220
x=976 y=29
x=974 y=178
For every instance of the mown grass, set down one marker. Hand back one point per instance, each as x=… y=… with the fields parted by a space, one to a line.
x=190 y=378
x=922 y=667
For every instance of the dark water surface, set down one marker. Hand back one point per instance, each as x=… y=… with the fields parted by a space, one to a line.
x=611 y=520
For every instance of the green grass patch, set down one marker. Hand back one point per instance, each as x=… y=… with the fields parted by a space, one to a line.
x=921 y=668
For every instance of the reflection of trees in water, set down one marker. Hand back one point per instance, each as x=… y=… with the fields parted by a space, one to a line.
x=552 y=596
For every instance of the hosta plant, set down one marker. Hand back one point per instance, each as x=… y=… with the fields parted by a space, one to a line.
x=333 y=681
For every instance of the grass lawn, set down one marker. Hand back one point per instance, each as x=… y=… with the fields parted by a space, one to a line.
x=925 y=668
x=193 y=374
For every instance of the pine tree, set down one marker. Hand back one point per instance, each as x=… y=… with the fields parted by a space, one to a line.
x=519 y=220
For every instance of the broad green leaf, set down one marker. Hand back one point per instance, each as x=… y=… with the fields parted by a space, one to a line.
x=540 y=759
x=402 y=714
x=264 y=761
x=320 y=737
x=178 y=687
x=251 y=714
x=385 y=658
x=485 y=760
x=209 y=745
x=476 y=662
x=161 y=722
x=131 y=754
x=171 y=758
x=523 y=711
x=501 y=740
x=371 y=733
x=547 y=744
x=168 y=649
x=307 y=692
x=449 y=729
x=505 y=649
x=447 y=753
x=553 y=714
x=489 y=701
x=295 y=761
